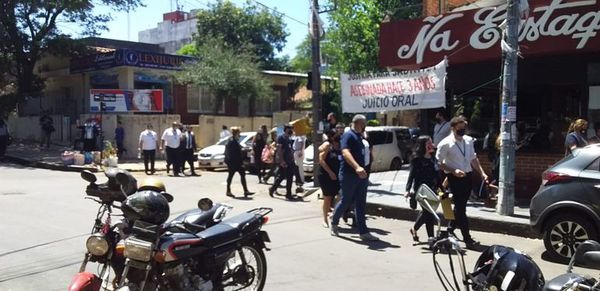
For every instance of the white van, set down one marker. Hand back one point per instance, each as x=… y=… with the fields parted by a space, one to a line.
x=392 y=147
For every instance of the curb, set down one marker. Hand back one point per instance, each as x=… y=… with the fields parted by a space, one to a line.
x=49 y=166
x=475 y=223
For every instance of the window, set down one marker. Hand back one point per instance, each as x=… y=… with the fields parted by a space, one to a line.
x=402 y=135
x=380 y=137
x=200 y=100
x=594 y=166
x=268 y=106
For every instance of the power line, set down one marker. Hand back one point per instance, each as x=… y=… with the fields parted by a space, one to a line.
x=281 y=13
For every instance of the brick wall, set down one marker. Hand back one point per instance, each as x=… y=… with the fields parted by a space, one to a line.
x=530 y=167
x=432 y=7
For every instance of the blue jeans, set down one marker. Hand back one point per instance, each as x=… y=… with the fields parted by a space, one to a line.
x=354 y=191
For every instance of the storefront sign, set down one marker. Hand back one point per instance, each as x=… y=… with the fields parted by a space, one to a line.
x=391 y=91
x=117 y=100
x=553 y=27
x=127 y=57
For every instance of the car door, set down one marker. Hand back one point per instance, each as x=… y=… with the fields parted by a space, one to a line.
x=404 y=143
x=589 y=185
x=382 y=141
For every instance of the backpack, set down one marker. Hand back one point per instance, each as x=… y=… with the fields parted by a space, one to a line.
x=267 y=155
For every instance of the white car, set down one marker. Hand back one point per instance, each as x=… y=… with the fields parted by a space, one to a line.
x=213 y=156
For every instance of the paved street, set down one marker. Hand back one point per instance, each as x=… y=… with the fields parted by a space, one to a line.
x=45 y=221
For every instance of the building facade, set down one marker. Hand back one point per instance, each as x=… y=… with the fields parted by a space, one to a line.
x=175 y=31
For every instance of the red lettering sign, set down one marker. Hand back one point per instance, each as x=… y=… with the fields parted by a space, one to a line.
x=553 y=27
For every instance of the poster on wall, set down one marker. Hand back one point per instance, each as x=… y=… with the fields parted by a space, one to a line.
x=393 y=91
x=117 y=100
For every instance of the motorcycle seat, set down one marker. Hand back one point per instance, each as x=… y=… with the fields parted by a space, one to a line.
x=229 y=230
x=198 y=216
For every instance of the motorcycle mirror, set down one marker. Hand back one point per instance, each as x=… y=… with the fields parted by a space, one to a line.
x=205 y=204
x=88 y=176
x=127 y=181
x=168 y=196
x=591 y=259
x=579 y=257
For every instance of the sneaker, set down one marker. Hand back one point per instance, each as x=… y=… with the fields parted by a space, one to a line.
x=333 y=230
x=368 y=237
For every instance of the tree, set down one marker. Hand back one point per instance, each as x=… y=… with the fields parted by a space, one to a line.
x=354 y=31
x=28 y=30
x=239 y=27
x=227 y=73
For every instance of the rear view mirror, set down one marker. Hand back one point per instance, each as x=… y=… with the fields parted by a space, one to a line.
x=205 y=204
x=168 y=196
x=127 y=181
x=88 y=176
x=591 y=259
x=580 y=258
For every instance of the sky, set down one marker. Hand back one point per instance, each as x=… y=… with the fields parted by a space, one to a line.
x=148 y=17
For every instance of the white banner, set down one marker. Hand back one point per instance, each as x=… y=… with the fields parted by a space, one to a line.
x=392 y=91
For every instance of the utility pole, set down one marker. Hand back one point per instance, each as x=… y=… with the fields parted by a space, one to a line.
x=508 y=116
x=316 y=90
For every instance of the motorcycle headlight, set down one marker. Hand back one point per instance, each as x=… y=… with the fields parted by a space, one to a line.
x=138 y=250
x=97 y=244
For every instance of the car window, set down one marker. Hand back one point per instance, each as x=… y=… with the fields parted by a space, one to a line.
x=594 y=166
x=380 y=137
x=223 y=141
x=402 y=135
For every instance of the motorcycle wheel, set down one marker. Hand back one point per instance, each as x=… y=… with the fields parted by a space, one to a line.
x=252 y=275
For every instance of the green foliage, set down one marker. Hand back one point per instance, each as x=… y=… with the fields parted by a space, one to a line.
x=244 y=28
x=373 y=122
x=188 y=50
x=226 y=73
x=28 y=30
x=302 y=62
x=354 y=31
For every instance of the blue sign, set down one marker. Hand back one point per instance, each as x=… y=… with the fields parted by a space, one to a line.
x=127 y=57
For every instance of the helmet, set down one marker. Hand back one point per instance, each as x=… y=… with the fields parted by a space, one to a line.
x=148 y=206
x=152 y=184
x=503 y=268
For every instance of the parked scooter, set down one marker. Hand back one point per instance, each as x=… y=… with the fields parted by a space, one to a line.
x=105 y=244
x=184 y=255
x=504 y=268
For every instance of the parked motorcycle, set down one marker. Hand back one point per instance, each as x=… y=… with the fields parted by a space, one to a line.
x=105 y=245
x=185 y=255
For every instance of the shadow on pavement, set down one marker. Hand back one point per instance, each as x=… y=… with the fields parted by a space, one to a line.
x=386 y=192
x=548 y=258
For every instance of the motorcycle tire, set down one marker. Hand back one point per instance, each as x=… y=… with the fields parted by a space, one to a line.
x=256 y=266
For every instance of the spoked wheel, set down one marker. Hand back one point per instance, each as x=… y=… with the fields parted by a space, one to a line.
x=564 y=233
x=250 y=275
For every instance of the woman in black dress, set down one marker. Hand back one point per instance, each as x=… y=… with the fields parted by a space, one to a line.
x=329 y=159
x=423 y=170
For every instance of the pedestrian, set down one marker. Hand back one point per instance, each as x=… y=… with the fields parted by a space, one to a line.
x=340 y=127
x=180 y=153
x=225 y=133
x=596 y=138
x=423 y=171
x=90 y=133
x=298 y=145
x=329 y=159
x=148 y=143
x=259 y=141
x=285 y=159
x=234 y=161
x=269 y=157
x=119 y=138
x=4 y=138
x=170 y=140
x=189 y=151
x=457 y=158
x=47 y=126
x=353 y=179
x=330 y=125
x=441 y=129
x=577 y=136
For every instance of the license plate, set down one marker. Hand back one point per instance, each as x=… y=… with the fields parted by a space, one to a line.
x=265 y=236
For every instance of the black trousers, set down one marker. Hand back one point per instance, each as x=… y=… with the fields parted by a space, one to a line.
x=461 y=190
x=3 y=145
x=240 y=170
x=173 y=159
x=149 y=156
x=188 y=156
x=425 y=218
x=286 y=173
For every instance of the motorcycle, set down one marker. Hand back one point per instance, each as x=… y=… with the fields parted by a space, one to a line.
x=504 y=268
x=105 y=244
x=185 y=255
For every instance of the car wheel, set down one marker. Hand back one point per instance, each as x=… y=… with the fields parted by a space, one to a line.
x=564 y=233
x=396 y=164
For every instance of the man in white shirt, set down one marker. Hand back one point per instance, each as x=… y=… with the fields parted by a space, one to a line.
x=298 y=147
x=171 y=138
x=457 y=158
x=442 y=127
x=148 y=143
x=224 y=132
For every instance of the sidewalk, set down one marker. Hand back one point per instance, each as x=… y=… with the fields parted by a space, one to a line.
x=385 y=198
x=385 y=195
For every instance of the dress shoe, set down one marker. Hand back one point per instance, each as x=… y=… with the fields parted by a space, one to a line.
x=230 y=194
x=248 y=193
x=196 y=175
x=271 y=192
x=471 y=244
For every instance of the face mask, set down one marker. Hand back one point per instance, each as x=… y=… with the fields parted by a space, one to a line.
x=461 y=132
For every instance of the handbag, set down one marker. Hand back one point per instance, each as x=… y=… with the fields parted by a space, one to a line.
x=267 y=155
